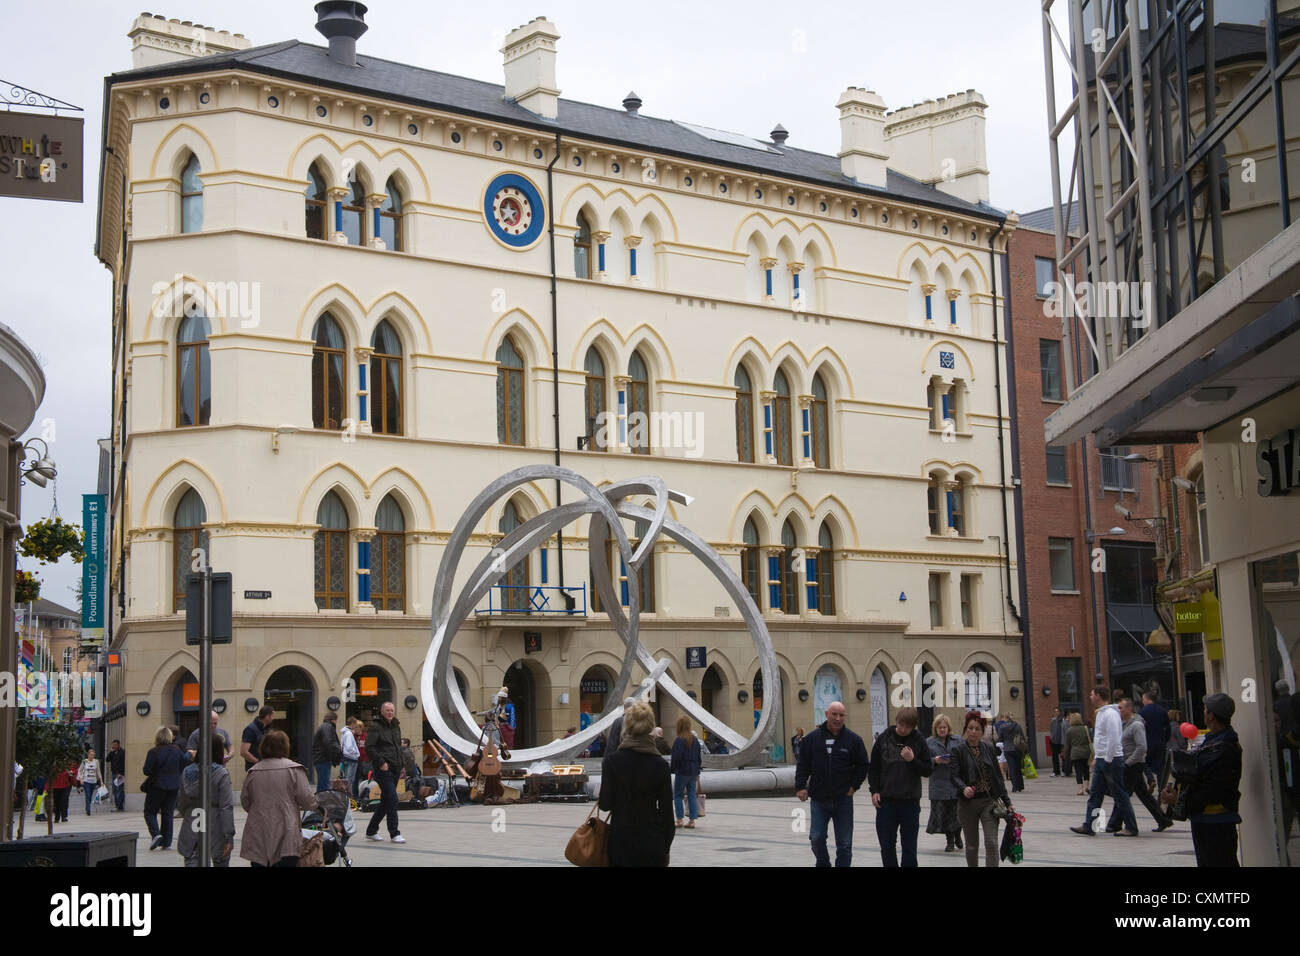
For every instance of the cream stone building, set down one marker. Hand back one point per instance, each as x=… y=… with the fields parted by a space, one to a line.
x=338 y=317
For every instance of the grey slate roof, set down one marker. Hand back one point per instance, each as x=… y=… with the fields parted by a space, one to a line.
x=295 y=60
x=1042 y=220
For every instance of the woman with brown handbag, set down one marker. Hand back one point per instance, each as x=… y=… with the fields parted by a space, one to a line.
x=636 y=787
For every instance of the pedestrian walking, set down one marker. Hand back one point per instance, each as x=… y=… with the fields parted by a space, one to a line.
x=1134 y=742
x=635 y=787
x=832 y=766
x=1078 y=750
x=326 y=750
x=219 y=821
x=275 y=793
x=1056 y=742
x=162 y=771
x=1014 y=746
x=117 y=773
x=796 y=742
x=384 y=745
x=943 y=792
x=90 y=774
x=351 y=754
x=60 y=793
x=192 y=745
x=900 y=757
x=1211 y=800
x=979 y=789
x=1156 y=720
x=1108 y=769
x=251 y=743
x=687 y=757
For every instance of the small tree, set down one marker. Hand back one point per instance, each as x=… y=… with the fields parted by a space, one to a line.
x=45 y=749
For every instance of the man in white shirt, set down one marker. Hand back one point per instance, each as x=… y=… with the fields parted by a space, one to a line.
x=351 y=754
x=1108 y=771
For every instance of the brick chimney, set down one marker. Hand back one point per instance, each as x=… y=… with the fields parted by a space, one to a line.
x=942 y=142
x=155 y=40
x=530 y=67
x=862 y=136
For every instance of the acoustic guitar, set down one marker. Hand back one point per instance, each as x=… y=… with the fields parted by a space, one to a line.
x=490 y=765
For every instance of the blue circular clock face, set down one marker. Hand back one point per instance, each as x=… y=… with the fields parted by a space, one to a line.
x=513 y=209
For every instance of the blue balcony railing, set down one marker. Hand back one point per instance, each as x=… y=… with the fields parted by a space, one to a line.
x=536 y=599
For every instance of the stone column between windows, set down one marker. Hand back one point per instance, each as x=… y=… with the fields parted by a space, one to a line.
x=363 y=538
x=363 y=354
x=807 y=454
x=632 y=242
x=374 y=203
x=952 y=307
x=622 y=395
x=951 y=485
x=336 y=195
x=952 y=601
x=768 y=263
x=769 y=425
x=796 y=296
x=772 y=557
x=600 y=238
x=927 y=289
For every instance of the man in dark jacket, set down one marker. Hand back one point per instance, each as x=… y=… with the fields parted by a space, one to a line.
x=1212 y=798
x=899 y=759
x=384 y=748
x=326 y=751
x=1008 y=732
x=832 y=765
x=117 y=773
x=1156 y=720
x=1056 y=741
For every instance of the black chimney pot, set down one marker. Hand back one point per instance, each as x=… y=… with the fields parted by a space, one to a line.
x=341 y=22
x=632 y=103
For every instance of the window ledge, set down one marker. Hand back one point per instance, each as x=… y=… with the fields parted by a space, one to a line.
x=1053 y=401
x=940 y=431
x=1066 y=593
x=949 y=537
x=1059 y=484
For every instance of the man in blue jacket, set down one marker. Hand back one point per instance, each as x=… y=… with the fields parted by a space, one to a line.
x=832 y=766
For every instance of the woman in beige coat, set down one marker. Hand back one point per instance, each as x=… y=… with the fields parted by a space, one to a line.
x=275 y=792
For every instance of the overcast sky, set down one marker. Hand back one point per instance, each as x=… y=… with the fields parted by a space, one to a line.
x=742 y=67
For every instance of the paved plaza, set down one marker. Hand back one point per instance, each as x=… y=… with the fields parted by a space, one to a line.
x=738 y=831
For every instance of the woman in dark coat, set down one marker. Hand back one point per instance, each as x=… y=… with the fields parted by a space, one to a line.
x=163 y=763
x=636 y=787
x=979 y=784
x=943 y=795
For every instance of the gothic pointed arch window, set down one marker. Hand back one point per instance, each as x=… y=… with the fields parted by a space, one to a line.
x=354 y=212
x=386 y=380
x=750 y=562
x=390 y=217
x=317 y=204
x=789 y=576
x=331 y=546
x=188 y=533
x=191 y=197
x=582 y=265
x=744 y=415
x=193 y=369
x=510 y=393
x=638 y=405
x=825 y=570
x=329 y=377
x=514 y=593
x=781 y=419
x=596 y=390
x=820 y=412
x=388 y=558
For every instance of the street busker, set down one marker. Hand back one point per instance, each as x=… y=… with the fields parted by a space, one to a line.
x=384 y=746
x=832 y=766
x=900 y=757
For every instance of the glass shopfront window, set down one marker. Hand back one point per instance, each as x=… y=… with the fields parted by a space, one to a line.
x=1277 y=589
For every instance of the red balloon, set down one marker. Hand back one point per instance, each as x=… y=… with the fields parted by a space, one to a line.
x=1189 y=731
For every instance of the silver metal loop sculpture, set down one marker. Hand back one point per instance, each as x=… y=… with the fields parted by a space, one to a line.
x=446 y=709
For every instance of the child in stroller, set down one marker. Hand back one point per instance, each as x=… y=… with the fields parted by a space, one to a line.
x=333 y=816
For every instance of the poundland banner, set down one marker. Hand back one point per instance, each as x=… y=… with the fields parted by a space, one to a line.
x=93 y=578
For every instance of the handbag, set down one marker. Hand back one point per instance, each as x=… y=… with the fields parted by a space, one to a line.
x=1000 y=810
x=147 y=784
x=313 y=851
x=589 y=844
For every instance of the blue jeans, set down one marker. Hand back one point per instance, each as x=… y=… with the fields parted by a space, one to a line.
x=839 y=811
x=322 y=777
x=1110 y=778
x=684 y=785
x=893 y=816
x=89 y=790
x=119 y=795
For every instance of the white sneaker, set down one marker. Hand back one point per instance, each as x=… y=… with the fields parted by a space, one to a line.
x=374 y=838
x=399 y=839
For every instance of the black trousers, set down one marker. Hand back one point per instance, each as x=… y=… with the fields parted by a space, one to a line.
x=1014 y=759
x=387 y=780
x=1215 y=843
x=1135 y=780
x=1056 y=758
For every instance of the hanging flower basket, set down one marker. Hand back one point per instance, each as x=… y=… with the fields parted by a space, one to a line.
x=26 y=587
x=51 y=539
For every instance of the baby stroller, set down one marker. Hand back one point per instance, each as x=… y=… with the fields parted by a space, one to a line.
x=333 y=817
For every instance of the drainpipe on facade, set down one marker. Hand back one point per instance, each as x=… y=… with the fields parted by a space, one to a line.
x=555 y=361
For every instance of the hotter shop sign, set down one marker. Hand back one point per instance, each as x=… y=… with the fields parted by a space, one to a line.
x=41 y=157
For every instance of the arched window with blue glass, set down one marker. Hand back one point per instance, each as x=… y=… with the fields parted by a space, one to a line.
x=191 y=197
x=329 y=377
x=744 y=415
x=188 y=533
x=750 y=562
x=510 y=393
x=388 y=558
x=638 y=405
x=819 y=412
x=388 y=224
x=386 y=381
x=193 y=369
x=317 y=203
x=514 y=593
x=596 y=389
x=331 y=554
x=819 y=573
